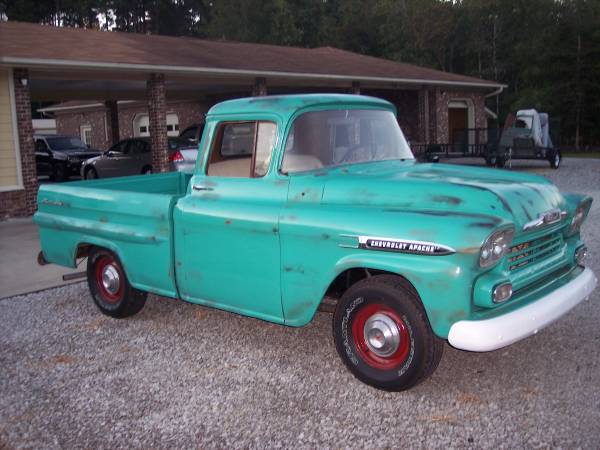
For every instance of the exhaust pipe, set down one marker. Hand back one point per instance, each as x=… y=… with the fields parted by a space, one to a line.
x=74 y=276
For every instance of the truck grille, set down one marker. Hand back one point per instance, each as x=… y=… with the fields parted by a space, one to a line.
x=526 y=253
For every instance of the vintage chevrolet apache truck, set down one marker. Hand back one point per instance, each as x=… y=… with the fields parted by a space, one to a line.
x=304 y=200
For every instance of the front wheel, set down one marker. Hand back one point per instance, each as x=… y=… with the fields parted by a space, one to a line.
x=59 y=172
x=383 y=335
x=555 y=160
x=90 y=173
x=110 y=289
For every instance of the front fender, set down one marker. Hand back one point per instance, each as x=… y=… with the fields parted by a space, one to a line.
x=442 y=283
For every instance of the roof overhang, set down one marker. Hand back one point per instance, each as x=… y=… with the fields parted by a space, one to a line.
x=225 y=72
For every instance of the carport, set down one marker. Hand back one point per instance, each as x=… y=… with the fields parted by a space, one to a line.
x=45 y=63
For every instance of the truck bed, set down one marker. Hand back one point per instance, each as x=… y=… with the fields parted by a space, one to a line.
x=130 y=215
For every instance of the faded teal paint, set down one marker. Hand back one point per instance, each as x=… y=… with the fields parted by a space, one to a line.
x=270 y=247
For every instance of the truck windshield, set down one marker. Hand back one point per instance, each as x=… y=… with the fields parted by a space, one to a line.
x=335 y=137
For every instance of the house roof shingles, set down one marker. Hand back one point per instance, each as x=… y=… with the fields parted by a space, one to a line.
x=21 y=42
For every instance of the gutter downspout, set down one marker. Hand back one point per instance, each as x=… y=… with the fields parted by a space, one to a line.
x=496 y=93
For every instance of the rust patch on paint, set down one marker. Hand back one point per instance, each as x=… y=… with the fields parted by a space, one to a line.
x=448 y=199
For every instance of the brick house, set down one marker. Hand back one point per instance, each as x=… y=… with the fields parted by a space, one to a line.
x=88 y=119
x=111 y=85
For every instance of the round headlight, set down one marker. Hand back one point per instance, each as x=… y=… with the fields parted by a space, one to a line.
x=495 y=246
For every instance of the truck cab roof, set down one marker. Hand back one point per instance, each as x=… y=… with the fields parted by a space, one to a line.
x=287 y=105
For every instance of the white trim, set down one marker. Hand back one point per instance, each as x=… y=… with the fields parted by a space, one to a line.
x=15 y=127
x=491 y=334
x=40 y=62
x=490 y=113
x=85 y=106
x=11 y=188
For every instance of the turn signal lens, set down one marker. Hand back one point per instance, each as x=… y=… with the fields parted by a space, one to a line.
x=495 y=246
x=580 y=255
x=502 y=292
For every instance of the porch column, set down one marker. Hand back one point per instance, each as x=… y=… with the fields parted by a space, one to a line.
x=260 y=87
x=355 y=89
x=157 y=118
x=112 y=121
x=423 y=125
x=25 y=134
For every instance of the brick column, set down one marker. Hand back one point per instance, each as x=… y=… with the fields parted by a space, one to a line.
x=423 y=122
x=157 y=117
x=26 y=146
x=260 y=87
x=112 y=121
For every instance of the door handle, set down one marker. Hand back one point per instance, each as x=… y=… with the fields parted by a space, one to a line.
x=197 y=187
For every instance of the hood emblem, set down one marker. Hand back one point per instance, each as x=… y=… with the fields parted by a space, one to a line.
x=545 y=218
x=400 y=245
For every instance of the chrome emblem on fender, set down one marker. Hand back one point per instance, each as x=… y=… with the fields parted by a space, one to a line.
x=399 y=245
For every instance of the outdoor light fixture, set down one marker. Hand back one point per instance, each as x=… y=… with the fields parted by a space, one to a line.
x=24 y=81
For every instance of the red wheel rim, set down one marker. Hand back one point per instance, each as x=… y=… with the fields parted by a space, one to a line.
x=365 y=351
x=106 y=266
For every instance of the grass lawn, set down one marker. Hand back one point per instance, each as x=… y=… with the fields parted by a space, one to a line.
x=581 y=155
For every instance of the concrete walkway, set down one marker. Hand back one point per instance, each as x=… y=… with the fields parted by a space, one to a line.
x=19 y=270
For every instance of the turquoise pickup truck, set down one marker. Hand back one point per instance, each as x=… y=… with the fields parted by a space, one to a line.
x=315 y=201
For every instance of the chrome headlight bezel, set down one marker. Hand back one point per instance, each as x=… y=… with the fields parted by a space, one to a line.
x=496 y=246
x=580 y=214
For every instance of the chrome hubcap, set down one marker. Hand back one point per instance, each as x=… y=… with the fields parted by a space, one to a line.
x=382 y=335
x=110 y=279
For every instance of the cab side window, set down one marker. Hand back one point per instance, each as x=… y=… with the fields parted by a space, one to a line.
x=242 y=149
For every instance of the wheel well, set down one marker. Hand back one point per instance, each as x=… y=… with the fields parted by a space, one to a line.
x=349 y=277
x=82 y=251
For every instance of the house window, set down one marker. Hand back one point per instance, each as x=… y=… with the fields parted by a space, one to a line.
x=86 y=134
x=172 y=125
x=141 y=125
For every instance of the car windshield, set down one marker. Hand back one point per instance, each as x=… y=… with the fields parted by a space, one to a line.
x=335 y=137
x=66 y=143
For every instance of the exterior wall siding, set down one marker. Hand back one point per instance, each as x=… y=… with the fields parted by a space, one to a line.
x=22 y=201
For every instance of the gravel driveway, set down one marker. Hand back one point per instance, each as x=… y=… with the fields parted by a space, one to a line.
x=179 y=375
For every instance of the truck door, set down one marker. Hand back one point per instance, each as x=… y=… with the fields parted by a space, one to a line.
x=227 y=228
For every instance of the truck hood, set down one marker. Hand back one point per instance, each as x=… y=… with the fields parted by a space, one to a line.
x=444 y=189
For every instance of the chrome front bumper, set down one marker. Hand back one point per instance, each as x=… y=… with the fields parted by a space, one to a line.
x=492 y=334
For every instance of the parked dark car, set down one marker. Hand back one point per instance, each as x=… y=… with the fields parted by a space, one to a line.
x=60 y=157
x=184 y=159
x=127 y=157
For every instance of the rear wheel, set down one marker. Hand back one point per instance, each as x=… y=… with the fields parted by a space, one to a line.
x=110 y=289
x=383 y=336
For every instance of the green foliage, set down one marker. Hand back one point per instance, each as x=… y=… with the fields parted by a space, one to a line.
x=547 y=51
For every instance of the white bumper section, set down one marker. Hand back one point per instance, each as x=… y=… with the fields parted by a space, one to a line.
x=491 y=334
